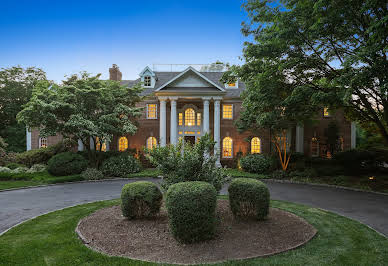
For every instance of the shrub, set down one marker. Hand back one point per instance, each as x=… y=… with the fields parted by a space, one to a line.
x=249 y=198
x=19 y=170
x=66 y=163
x=120 y=166
x=185 y=162
x=14 y=165
x=307 y=173
x=191 y=211
x=257 y=163
x=356 y=160
x=5 y=170
x=37 y=168
x=279 y=174
x=92 y=174
x=140 y=199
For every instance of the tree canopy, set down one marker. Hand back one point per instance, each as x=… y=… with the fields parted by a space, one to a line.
x=305 y=55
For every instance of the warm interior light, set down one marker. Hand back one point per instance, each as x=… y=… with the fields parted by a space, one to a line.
x=371 y=177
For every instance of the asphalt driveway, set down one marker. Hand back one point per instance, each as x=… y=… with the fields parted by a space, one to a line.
x=19 y=205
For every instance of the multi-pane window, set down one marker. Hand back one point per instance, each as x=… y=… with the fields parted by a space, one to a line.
x=151 y=143
x=255 y=145
x=326 y=112
x=314 y=147
x=147 y=81
x=227 y=111
x=198 y=119
x=151 y=111
x=98 y=145
x=180 y=119
x=189 y=117
x=42 y=142
x=232 y=84
x=123 y=144
x=227 y=147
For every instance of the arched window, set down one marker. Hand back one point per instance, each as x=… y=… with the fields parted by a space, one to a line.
x=123 y=144
x=151 y=143
x=189 y=117
x=42 y=142
x=98 y=145
x=227 y=147
x=255 y=145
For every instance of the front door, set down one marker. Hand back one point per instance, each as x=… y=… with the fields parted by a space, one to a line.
x=190 y=139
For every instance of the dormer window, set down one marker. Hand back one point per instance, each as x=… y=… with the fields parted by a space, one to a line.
x=232 y=85
x=147 y=81
x=148 y=78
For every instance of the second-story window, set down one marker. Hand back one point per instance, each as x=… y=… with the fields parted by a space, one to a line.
x=152 y=111
x=227 y=111
x=147 y=81
x=189 y=117
x=326 y=112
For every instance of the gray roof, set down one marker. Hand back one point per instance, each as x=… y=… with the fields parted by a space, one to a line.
x=163 y=77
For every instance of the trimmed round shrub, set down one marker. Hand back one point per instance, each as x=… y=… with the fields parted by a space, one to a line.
x=4 y=169
x=92 y=174
x=140 y=200
x=257 y=163
x=120 y=166
x=191 y=211
x=66 y=163
x=249 y=198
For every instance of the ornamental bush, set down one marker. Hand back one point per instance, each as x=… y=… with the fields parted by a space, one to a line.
x=66 y=163
x=249 y=198
x=257 y=163
x=191 y=211
x=120 y=166
x=13 y=166
x=140 y=199
x=92 y=174
x=356 y=160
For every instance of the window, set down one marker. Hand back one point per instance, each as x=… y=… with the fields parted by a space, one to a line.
x=42 y=142
x=151 y=143
x=152 y=111
x=314 y=147
x=98 y=145
x=189 y=117
x=198 y=119
x=255 y=145
x=180 y=119
x=227 y=111
x=232 y=84
x=123 y=144
x=227 y=147
x=341 y=144
x=326 y=112
x=147 y=81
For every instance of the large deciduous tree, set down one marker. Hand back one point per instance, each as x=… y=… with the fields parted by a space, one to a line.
x=16 y=86
x=305 y=55
x=83 y=108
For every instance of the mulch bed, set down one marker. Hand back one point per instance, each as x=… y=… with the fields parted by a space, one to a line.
x=150 y=240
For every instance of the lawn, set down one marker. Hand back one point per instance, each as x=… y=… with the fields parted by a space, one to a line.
x=50 y=240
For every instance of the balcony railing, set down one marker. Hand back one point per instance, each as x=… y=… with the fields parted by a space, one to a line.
x=215 y=67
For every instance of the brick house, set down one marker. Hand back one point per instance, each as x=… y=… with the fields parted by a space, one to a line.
x=187 y=104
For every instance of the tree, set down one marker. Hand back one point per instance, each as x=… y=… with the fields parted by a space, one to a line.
x=332 y=53
x=83 y=108
x=16 y=86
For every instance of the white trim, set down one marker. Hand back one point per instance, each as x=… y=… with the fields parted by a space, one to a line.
x=40 y=142
x=196 y=72
x=28 y=139
x=353 y=135
x=156 y=111
x=299 y=139
x=223 y=111
x=147 y=69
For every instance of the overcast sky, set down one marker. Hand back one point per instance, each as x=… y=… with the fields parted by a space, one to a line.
x=65 y=37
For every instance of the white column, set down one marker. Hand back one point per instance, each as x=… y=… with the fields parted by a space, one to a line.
x=353 y=135
x=28 y=139
x=173 y=122
x=162 y=122
x=80 y=145
x=205 y=115
x=217 y=129
x=299 y=139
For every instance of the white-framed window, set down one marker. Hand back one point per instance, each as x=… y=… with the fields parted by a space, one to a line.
x=123 y=144
x=43 y=142
x=255 y=145
x=147 y=81
x=151 y=143
x=227 y=111
x=314 y=147
x=227 y=147
x=198 y=119
x=152 y=111
x=189 y=117
x=180 y=119
x=98 y=145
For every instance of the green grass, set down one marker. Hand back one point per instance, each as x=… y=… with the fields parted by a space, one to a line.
x=18 y=184
x=50 y=240
x=235 y=173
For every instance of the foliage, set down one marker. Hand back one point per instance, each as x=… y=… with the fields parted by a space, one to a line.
x=191 y=211
x=149 y=172
x=140 y=199
x=16 y=86
x=279 y=174
x=307 y=173
x=257 y=163
x=92 y=174
x=120 y=166
x=235 y=173
x=83 y=108
x=37 y=168
x=21 y=169
x=357 y=160
x=185 y=162
x=14 y=165
x=66 y=163
x=332 y=137
x=305 y=55
x=4 y=169
x=249 y=198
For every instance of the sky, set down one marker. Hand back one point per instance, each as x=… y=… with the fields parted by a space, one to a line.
x=66 y=37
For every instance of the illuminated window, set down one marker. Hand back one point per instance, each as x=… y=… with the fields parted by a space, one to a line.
x=98 y=145
x=151 y=143
x=227 y=111
x=123 y=144
x=199 y=132
x=151 y=111
x=189 y=117
x=232 y=84
x=42 y=142
x=227 y=147
x=180 y=132
x=326 y=112
x=180 y=119
x=189 y=132
x=198 y=119
x=147 y=81
x=314 y=147
x=255 y=145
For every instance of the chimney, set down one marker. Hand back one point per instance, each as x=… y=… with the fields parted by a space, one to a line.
x=114 y=73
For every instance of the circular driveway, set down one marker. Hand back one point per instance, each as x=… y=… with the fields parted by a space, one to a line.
x=23 y=204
